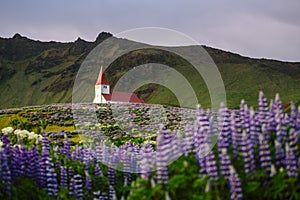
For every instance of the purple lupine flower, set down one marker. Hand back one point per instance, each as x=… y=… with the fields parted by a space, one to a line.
x=281 y=128
x=262 y=108
x=163 y=149
x=63 y=177
x=51 y=179
x=99 y=152
x=266 y=133
x=96 y=195
x=57 y=164
x=111 y=173
x=279 y=154
x=2 y=154
x=34 y=162
x=248 y=154
x=44 y=162
x=293 y=116
x=293 y=141
x=291 y=162
x=24 y=163
x=211 y=164
x=298 y=120
x=225 y=163
x=201 y=128
x=201 y=119
x=235 y=133
x=16 y=164
x=271 y=123
x=78 y=154
x=5 y=174
x=102 y=197
x=235 y=185
x=134 y=151
x=112 y=193
x=71 y=187
x=45 y=144
x=70 y=176
x=67 y=148
x=254 y=128
x=224 y=127
x=176 y=146
x=242 y=112
x=247 y=119
x=77 y=187
x=88 y=182
x=146 y=160
x=298 y=163
x=98 y=171
x=102 y=152
x=188 y=140
x=264 y=154
x=8 y=150
x=126 y=156
x=277 y=105
x=87 y=158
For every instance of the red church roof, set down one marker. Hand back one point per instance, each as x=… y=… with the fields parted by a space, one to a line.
x=102 y=78
x=116 y=95
x=122 y=97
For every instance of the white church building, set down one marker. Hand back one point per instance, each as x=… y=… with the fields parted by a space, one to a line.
x=104 y=95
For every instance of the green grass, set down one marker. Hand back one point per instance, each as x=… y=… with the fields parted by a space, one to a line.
x=243 y=77
x=7 y=118
x=4 y=121
x=56 y=128
x=81 y=138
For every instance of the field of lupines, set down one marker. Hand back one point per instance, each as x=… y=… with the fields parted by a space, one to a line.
x=255 y=156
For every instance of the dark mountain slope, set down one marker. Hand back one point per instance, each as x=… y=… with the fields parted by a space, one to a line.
x=34 y=72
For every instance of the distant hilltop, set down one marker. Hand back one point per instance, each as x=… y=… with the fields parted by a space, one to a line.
x=34 y=73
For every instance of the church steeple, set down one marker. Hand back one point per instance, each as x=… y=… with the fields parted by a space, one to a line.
x=102 y=78
x=101 y=87
x=103 y=94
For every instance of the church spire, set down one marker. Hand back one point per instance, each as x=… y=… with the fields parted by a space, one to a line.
x=102 y=78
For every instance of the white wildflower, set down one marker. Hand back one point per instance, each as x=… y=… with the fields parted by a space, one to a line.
x=21 y=133
x=207 y=187
x=185 y=164
x=281 y=169
x=31 y=135
x=38 y=137
x=167 y=196
x=7 y=130
x=153 y=184
x=17 y=145
x=273 y=170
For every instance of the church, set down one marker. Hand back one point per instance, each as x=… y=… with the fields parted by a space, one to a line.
x=103 y=94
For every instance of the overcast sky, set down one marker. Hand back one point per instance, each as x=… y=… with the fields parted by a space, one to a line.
x=255 y=28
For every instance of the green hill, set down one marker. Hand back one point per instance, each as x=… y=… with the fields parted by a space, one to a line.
x=34 y=72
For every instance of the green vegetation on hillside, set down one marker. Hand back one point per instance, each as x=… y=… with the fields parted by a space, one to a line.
x=35 y=73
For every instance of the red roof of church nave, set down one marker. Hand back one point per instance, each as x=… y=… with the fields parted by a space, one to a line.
x=116 y=95
x=122 y=97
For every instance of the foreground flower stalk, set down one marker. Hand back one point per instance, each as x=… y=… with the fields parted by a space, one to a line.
x=241 y=147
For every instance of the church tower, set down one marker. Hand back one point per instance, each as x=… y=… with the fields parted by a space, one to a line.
x=101 y=88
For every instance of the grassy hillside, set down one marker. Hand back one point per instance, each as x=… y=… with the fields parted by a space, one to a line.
x=34 y=72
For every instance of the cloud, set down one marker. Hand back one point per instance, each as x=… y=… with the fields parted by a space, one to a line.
x=252 y=28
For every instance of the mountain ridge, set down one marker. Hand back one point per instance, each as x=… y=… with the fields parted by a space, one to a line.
x=34 y=72
x=104 y=35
